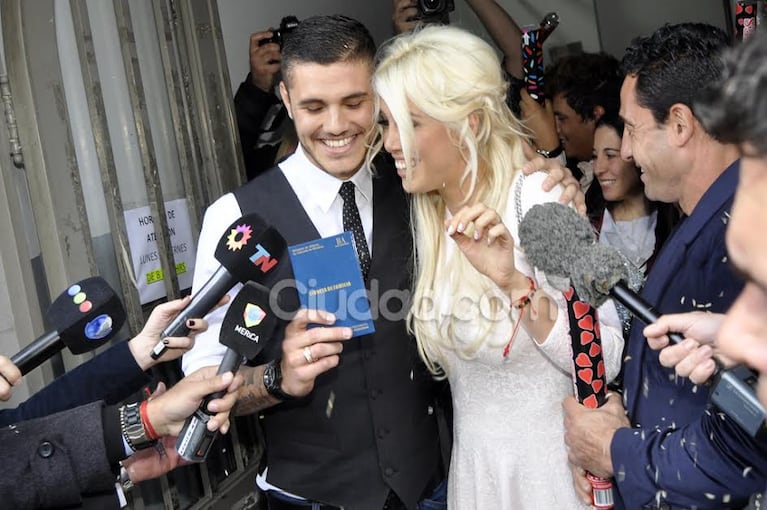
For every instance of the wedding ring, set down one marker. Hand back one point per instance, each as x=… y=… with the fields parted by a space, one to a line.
x=308 y=354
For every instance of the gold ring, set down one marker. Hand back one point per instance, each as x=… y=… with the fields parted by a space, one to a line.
x=308 y=354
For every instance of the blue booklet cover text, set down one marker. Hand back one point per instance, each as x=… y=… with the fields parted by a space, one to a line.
x=328 y=277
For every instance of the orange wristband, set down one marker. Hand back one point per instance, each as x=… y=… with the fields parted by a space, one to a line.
x=150 y=431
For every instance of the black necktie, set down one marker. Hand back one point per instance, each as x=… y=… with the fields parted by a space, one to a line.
x=352 y=222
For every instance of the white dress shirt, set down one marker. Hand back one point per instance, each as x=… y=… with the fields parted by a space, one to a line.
x=318 y=193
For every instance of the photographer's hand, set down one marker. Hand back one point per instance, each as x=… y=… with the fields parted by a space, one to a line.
x=265 y=61
x=404 y=15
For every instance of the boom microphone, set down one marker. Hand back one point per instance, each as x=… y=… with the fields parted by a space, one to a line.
x=83 y=317
x=247 y=324
x=554 y=239
x=248 y=250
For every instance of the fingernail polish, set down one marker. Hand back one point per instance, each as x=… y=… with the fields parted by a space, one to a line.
x=191 y=323
x=165 y=341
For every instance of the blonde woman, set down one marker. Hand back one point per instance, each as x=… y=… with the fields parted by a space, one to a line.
x=482 y=316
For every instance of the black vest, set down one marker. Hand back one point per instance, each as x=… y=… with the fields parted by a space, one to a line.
x=369 y=424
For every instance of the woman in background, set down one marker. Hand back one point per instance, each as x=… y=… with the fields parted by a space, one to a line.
x=623 y=217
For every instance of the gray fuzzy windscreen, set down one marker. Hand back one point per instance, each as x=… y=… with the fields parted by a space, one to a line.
x=596 y=272
x=552 y=236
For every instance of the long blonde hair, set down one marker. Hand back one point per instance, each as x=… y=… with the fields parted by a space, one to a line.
x=450 y=75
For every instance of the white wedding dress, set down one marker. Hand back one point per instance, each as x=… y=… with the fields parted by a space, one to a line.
x=508 y=449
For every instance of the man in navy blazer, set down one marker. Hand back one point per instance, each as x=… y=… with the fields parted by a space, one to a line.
x=668 y=448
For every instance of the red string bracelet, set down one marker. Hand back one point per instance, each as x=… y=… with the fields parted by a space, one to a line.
x=150 y=431
x=520 y=303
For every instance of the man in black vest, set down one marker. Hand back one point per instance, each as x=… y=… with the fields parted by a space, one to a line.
x=355 y=429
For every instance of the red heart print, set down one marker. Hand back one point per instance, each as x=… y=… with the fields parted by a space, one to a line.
x=582 y=360
x=586 y=375
x=580 y=308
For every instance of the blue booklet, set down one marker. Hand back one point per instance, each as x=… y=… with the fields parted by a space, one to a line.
x=328 y=277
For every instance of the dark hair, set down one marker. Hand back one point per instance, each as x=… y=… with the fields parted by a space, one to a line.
x=327 y=40
x=614 y=121
x=735 y=109
x=674 y=64
x=668 y=214
x=586 y=80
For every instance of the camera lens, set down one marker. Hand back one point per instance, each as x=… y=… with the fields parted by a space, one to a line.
x=432 y=5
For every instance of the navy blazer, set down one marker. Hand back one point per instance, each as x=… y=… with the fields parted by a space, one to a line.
x=682 y=452
x=112 y=376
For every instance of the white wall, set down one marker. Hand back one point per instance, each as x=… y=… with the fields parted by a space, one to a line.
x=622 y=20
x=239 y=18
x=577 y=21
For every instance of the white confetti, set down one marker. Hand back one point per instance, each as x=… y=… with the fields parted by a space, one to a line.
x=329 y=406
x=747 y=471
x=682 y=300
x=710 y=496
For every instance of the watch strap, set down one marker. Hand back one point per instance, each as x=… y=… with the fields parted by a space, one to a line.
x=273 y=380
x=132 y=428
x=552 y=153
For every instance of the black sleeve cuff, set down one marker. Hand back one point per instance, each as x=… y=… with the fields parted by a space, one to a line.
x=113 y=437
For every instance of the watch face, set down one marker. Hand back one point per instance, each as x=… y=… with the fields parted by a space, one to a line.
x=269 y=376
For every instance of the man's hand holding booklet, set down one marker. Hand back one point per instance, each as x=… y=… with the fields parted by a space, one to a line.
x=328 y=278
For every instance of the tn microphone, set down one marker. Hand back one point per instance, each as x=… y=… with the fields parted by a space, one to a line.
x=554 y=238
x=248 y=250
x=85 y=316
x=247 y=325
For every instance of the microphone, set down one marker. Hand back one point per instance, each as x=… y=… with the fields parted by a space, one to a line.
x=247 y=324
x=554 y=239
x=248 y=250
x=562 y=243
x=86 y=315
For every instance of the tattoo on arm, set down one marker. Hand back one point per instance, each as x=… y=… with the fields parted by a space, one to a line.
x=252 y=395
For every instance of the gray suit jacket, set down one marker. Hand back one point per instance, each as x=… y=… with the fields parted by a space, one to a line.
x=49 y=462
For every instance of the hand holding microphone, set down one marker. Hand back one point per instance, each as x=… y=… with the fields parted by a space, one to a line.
x=562 y=243
x=11 y=375
x=248 y=323
x=247 y=251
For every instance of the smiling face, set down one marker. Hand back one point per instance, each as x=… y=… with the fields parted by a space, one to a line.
x=437 y=163
x=743 y=335
x=332 y=108
x=646 y=143
x=618 y=179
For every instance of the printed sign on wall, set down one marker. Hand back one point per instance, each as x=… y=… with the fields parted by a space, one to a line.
x=144 y=250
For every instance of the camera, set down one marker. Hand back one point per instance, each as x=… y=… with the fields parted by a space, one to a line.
x=287 y=25
x=430 y=9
